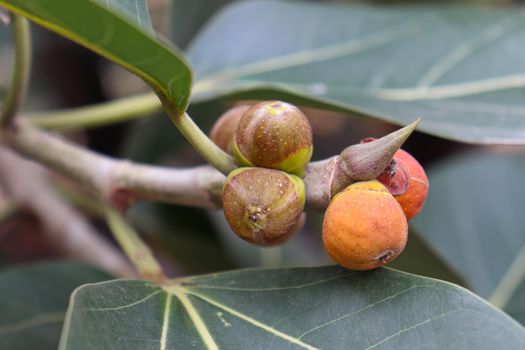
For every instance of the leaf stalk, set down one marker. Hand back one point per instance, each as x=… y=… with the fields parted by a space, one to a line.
x=17 y=90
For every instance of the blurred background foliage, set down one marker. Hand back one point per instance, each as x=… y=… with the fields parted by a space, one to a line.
x=471 y=232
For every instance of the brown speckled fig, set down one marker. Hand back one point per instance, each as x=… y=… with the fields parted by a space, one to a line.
x=275 y=135
x=263 y=206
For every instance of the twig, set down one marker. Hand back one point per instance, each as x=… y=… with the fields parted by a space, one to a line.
x=67 y=229
x=22 y=68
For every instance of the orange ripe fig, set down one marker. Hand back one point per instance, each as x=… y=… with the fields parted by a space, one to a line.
x=364 y=227
x=407 y=181
x=263 y=206
x=275 y=135
x=224 y=128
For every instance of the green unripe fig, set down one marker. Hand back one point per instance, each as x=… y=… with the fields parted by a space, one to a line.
x=274 y=135
x=263 y=206
x=223 y=130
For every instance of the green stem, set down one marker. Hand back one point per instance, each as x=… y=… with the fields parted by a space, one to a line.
x=22 y=69
x=106 y=113
x=98 y=115
x=134 y=247
x=217 y=158
x=271 y=256
x=88 y=204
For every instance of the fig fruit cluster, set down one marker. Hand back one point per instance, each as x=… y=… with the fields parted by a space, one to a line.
x=264 y=199
x=365 y=225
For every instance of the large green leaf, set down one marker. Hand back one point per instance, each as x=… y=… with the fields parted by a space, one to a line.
x=474 y=218
x=33 y=302
x=459 y=68
x=109 y=33
x=318 y=308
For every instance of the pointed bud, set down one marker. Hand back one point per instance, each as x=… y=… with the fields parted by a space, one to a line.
x=365 y=161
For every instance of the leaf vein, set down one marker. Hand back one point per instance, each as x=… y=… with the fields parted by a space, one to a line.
x=271 y=289
x=462 y=52
x=322 y=53
x=165 y=322
x=407 y=329
x=201 y=327
x=254 y=322
x=361 y=310
x=128 y=305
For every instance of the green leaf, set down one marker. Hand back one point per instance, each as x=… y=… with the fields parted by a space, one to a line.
x=33 y=302
x=302 y=308
x=474 y=218
x=134 y=10
x=91 y=24
x=459 y=68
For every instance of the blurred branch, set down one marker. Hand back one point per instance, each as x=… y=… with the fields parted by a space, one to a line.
x=24 y=182
x=22 y=69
